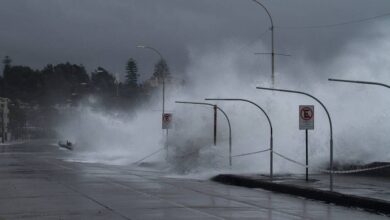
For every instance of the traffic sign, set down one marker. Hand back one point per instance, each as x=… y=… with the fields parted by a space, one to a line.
x=167 y=121
x=306 y=117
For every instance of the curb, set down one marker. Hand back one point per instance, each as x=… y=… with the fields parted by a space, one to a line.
x=368 y=204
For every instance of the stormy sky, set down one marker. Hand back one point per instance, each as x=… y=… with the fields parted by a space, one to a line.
x=105 y=33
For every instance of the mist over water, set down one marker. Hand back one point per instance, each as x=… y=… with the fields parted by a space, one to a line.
x=111 y=138
x=360 y=115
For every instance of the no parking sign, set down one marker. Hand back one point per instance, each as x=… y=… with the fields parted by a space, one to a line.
x=306 y=117
x=167 y=121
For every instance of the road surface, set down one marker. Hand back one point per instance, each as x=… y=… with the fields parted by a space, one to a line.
x=35 y=183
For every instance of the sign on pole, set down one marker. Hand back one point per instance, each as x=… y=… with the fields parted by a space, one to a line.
x=167 y=121
x=306 y=122
x=306 y=117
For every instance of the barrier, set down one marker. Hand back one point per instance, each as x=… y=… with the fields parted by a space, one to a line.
x=333 y=171
x=256 y=152
x=150 y=155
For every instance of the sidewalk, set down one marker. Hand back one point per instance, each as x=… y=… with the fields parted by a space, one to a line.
x=367 y=192
x=38 y=181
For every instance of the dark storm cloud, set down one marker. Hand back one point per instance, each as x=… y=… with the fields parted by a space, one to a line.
x=105 y=33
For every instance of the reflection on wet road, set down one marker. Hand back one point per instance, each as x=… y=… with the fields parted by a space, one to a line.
x=36 y=184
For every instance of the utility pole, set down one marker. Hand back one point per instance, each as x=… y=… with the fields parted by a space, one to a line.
x=272 y=43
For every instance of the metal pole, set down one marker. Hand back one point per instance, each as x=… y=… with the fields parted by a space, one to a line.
x=273 y=56
x=230 y=139
x=2 y=126
x=269 y=122
x=227 y=119
x=215 y=125
x=163 y=87
x=272 y=41
x=163 y=95
x=163 y=76
x=307 y=155
x=330 y=124
x=360 y=82
x=166 y=143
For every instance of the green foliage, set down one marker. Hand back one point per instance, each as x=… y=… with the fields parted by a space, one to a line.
x=21 y=82
x=36 y=95
x=132 y=73
x=63 y=82
x=161 y=70
x=103 y=81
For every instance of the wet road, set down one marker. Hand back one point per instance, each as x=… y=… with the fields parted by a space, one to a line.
x=35 y=183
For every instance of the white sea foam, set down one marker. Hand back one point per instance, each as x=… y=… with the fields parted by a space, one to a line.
x=359 y=113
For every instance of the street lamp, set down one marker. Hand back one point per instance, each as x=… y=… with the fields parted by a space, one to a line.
x=163 y=76
x=360 y=82
x=330 y=125
x=269 y=122
x=272 y=42
x=227 y=119
x=163 y=90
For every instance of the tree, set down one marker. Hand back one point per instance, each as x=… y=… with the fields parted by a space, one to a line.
x=161 y=70
x=23 y=83
x=132 y=73
x=7 y=64
x=63 y=82
x=103 y=81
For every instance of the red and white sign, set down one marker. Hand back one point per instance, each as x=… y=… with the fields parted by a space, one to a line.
x=167 y=121
x=306 y=117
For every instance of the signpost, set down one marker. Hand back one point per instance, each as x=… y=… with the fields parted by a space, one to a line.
x=306 y=122
x=166 y=124
x=167 y=121
x=215 y=125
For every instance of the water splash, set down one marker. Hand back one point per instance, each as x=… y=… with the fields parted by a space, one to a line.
x=359 y=114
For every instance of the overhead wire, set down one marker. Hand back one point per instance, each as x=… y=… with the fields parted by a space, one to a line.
x=335 y=24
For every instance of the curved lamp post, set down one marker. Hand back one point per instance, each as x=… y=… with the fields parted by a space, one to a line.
x=360 y=82
x=227 y=119
x=330 y=124
x=272 y=41
x=163 y=90
x=269 y=122
x=163 y=77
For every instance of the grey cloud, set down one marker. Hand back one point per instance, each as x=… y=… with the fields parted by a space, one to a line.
x=101 y=32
